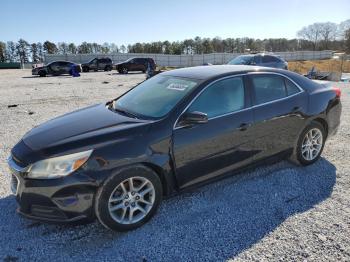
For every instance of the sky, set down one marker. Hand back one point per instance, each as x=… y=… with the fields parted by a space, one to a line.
x=131 y=21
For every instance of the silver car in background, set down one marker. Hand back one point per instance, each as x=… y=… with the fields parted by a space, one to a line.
x=267 y=60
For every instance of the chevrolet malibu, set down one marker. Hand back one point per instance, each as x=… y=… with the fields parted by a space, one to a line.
x=180 y=129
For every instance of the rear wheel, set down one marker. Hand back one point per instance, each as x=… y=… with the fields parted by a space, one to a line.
x=125 y=70
x=310 y=144
x=129 y=199
x=86 y=69
x=42 y=73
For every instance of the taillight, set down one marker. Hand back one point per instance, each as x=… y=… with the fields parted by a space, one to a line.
x=337 y=91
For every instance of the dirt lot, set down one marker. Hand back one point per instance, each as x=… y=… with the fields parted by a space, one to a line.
x=278 y=212
x=327 y=65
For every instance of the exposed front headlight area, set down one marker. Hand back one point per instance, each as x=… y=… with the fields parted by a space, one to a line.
x=57 y=167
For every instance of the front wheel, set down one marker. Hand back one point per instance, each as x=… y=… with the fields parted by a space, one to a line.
x=42 y=73
x=310 y=144
x=128 y=199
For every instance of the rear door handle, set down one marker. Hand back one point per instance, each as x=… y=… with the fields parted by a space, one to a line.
x=296 y=109
x=244 y=126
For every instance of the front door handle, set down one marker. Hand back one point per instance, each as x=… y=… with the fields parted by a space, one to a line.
x=244 y=126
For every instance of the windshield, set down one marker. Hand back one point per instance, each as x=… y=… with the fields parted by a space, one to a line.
x=241 y=60
x=91 y=61
x=156 y=97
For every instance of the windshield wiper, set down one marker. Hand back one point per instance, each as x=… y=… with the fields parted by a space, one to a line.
x=124 y=111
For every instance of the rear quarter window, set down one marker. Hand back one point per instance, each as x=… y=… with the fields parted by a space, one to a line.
x=268 y=88
x=269 y=59
x=291 y=87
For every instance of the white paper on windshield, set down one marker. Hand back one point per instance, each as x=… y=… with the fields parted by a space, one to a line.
x=177 y=86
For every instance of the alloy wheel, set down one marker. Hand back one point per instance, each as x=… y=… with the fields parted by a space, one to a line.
x=131 y=200
x=312 y=144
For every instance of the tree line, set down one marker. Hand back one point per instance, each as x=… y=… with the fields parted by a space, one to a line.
x=318 y=36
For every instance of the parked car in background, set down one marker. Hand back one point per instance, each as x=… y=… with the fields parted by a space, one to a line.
x=267 y=60
x=55 y=68
x=177 y=130
x=135 y=64
x=104 y=63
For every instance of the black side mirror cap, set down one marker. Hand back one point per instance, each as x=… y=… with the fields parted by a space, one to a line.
x=192 y=118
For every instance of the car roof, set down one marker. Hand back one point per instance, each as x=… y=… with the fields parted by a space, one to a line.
x=208 y=72
x=61 y=61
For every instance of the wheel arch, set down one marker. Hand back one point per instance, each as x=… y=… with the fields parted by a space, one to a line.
x=158 y=170
x=162 y=176
x=323 y=122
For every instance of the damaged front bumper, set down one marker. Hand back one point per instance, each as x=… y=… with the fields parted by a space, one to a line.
x=61 y=200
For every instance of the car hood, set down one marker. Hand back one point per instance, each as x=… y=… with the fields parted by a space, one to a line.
x=89 y=127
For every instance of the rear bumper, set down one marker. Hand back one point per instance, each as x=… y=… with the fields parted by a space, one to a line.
x=333 y=117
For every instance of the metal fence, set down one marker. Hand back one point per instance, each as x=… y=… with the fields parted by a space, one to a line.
x=188 y=60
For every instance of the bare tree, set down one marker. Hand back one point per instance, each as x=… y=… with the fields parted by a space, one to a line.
x=35 y=52
x=11 y=55
x=123 y=48
x=113 y=48
x=347 y=41
x=343 y=28
x=62 y=48
x=328 y=32
x=22 y=49
x=72 y=49
x=105 y=48
x=311 y=33
x=2 y=52
x=40 y=48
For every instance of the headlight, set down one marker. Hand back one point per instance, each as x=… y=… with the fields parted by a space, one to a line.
x=58 y=166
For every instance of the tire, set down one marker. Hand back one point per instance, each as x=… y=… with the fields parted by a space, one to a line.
x=107 y=68
x=124 y=70
x=86 y=69
x=114 y=203
x=42 y=73
x=304 y=155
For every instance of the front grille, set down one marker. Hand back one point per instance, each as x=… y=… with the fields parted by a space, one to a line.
x=14 y=184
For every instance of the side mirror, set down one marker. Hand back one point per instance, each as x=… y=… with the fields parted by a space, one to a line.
x=191 y=118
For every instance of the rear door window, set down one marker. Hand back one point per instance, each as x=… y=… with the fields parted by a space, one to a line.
x=257 y=59
x=269 y=59
x=268 y=88
x=62 y=63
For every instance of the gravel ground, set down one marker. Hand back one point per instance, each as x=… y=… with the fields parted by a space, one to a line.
x=277 y=212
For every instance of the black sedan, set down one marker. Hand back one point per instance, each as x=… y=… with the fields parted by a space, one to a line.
x=56 y=68
x=179 y=129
